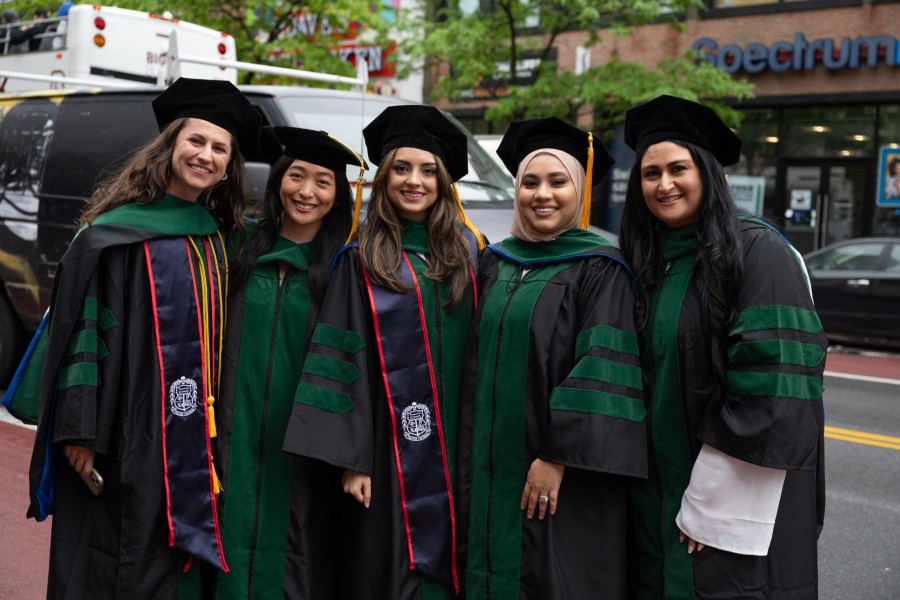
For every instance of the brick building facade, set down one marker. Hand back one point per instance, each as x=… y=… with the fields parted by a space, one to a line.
x=825 y=123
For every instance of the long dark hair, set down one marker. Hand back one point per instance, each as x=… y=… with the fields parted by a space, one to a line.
x=718 y=265
x=379 y=237
x=145 y=176
x=328 y=240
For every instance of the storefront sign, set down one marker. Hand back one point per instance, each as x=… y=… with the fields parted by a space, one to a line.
x=747 y=193
x=800 y=54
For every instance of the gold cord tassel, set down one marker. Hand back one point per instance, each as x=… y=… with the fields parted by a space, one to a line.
x=211 y=416
x=588 y=184
x=360 y=184
x=217 y=485
x=465 y=219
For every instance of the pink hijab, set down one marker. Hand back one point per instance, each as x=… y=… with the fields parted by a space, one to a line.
x=519 y=227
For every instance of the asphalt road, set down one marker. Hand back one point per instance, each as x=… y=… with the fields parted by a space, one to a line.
x=859 y=553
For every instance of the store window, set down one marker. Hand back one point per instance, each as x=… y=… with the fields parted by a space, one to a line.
x=838 y=131
x=758 y=165
x=886 y=219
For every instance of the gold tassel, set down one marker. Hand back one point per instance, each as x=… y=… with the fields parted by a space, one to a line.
x=465 y=219
x=360 y=184
x=217 y=485
x=588 y=184
x=211 y=416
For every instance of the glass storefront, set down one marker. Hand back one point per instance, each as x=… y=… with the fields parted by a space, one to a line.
x=819 y=165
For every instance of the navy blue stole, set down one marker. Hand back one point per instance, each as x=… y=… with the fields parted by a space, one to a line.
x=187 y=458
x=418 y=435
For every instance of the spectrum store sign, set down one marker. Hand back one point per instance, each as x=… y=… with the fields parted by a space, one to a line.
x=800 y=54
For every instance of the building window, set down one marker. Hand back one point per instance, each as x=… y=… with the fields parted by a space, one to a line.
x=840 y=131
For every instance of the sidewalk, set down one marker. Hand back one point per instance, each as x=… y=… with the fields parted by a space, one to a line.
x=861 y=362
x=24 y=543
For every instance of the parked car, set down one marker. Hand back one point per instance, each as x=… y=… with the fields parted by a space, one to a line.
x=856 y=288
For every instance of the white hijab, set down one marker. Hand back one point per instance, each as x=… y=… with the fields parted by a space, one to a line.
x=519 y=227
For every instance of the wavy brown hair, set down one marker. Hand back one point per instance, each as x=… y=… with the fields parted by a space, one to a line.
x=145 y=176
x=379 y=237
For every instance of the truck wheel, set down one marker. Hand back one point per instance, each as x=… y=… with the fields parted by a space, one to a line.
x=11 y=337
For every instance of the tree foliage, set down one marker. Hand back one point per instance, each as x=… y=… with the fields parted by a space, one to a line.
x=468 y=49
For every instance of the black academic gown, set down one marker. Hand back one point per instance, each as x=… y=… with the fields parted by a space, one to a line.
x=552 y=372
x=341 y=418
x=771 y=415
x=100 y=388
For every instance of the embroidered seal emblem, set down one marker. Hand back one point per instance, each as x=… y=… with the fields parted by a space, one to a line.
x=416 y=421
x=183 y=397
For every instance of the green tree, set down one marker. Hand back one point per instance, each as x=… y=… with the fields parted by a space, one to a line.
x=467 y=49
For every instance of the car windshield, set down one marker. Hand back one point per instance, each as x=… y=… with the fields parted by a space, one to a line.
x=345 y=118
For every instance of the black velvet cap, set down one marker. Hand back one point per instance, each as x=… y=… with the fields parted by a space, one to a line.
x=316 y=147
x=524 y=137
x=218 y=102
x=422 y=127
x=669 y=118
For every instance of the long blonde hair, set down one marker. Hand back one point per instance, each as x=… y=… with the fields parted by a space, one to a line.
x=145 y=176
x=379 y=237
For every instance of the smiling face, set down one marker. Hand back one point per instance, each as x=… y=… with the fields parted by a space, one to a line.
x=199 y=158
x=412 y=183
x=671 y=184
x=547 y=199
x=307 y=195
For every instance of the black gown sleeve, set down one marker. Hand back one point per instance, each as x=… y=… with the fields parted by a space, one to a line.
x=597 y=413
x=332 y=417
x=771 y=413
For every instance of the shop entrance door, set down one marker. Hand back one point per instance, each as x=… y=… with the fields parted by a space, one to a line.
x=823 y=200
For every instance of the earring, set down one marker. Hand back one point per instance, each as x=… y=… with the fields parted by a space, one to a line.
x=224 y=177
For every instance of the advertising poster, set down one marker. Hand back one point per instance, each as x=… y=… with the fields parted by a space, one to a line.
x=889 y=176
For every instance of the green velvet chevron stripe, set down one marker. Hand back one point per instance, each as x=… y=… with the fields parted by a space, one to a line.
x=598 y=403
x=600 y=369
x=330 y=368
x=777 y=385
x=322 y=397
x=83 y=373
x=776 y=352
x=604 y=336
x=757 y=318
x=91 y=310
x=337 y=338
x=87 y=340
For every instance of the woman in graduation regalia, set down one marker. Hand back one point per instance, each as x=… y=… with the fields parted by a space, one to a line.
x=279 y=284
x=126 y=372
x=733 y=353
x=551 y=426
x=380 y=386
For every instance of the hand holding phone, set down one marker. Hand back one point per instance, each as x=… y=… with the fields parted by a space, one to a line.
x=94 y=482
x=82 y=460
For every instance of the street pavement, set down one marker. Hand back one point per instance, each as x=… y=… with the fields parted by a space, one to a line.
x=25 y=544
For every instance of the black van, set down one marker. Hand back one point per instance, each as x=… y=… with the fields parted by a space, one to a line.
x=54 y=144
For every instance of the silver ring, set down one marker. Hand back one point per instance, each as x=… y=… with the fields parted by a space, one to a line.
x=543 y=498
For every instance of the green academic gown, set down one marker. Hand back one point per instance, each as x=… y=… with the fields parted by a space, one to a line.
x=267 y=329
x=94 y=381
x=552 y=372
x=770 y=415
x=341 y=417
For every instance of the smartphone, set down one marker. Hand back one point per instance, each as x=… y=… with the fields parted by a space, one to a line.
x=94 y=482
